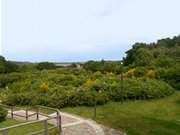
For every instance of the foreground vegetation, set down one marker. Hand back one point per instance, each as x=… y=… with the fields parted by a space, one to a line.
x=3 y=114
x=138 y=94
x=153 y=117
x=73 y=87
x=8 y=122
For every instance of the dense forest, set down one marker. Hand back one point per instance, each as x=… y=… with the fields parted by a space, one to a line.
x=163 y=57
x=148 y=71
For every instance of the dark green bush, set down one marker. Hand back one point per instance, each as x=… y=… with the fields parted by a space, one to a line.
x=171 y=76
x=3 y=114
x=45 y=65
x=139 y=88
x=6 y=79
x=7 y=66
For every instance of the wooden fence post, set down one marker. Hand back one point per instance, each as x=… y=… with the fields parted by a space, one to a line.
x=5 y=132
x=12 y=112
x=45 y=127
x=95 y=107
x=37 y=111
x=59 y=124
x=26 y=114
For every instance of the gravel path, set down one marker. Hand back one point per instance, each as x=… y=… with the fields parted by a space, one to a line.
x=110 y=131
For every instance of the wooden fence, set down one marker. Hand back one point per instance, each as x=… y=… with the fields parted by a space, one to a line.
x=36 y=109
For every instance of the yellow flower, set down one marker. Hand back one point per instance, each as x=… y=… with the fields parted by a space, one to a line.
x=129 y=73
x=44 y=87
x=89 y=82
x=151 y=73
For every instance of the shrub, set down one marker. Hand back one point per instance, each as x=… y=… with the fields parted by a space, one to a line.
x=151 y=73
x=139 y=88
x=73 y=88
x=6 y=79
x=44 y=87
x=45 y=65
x=171 y=76
x=3 y=114
x=19 y=98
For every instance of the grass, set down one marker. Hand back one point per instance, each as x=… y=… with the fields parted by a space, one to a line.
x=8 y=122
x=22 y=130
x=153 y=117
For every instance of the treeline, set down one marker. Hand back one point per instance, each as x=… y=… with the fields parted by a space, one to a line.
x=7 y=66
x=104 y=66
x=160 y=60
x=165 y=53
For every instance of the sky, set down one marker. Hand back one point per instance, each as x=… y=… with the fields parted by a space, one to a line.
x=81 y=30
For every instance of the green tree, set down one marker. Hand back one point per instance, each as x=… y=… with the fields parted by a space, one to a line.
x=143 y=57
x=7 y=66
x=131 y=54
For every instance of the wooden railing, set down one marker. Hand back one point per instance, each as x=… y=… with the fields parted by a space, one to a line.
x=37 y=113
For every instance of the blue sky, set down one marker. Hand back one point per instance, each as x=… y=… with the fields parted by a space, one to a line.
x=80 y=30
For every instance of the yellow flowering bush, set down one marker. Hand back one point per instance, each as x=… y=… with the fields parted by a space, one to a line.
x=151 y=73
x=44 y=87
x=129 y=73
